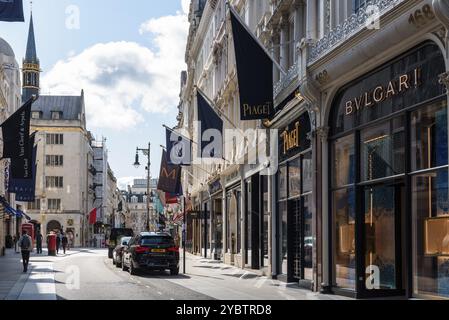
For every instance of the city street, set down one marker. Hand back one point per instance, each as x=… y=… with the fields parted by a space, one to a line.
x=87 y=274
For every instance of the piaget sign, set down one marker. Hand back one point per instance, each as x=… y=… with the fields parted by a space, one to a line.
x=294 y=138
x=383 y=92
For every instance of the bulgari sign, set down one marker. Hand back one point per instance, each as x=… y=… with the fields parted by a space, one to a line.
x=384 y=92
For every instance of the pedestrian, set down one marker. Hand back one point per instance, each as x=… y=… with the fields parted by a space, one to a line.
x=95 y=242
x=39 y=239
x=64 y=241
x=58 y=242
x=26 y=245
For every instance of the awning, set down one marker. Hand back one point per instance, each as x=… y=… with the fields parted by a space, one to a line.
x=11 y=211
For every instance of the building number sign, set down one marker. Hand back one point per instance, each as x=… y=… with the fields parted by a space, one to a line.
x=422 y=16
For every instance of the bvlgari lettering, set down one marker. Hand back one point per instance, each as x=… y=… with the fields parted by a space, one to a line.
x=384 y=92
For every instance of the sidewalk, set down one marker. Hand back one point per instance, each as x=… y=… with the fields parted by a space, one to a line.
x=224 y=282
x=36 y=284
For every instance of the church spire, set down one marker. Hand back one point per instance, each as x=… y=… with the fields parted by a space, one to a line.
x=31 y=66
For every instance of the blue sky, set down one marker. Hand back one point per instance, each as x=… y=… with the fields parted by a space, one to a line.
x=126 y=55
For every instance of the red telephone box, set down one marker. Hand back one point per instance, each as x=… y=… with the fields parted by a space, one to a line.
x=29 y=227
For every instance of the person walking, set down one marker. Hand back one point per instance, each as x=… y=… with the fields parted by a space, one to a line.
x=39 y=239
x=58 y=242
x=26 y=245
x=64 y=241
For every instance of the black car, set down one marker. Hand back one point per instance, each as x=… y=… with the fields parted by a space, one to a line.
x=151 y=251
x=117 y=254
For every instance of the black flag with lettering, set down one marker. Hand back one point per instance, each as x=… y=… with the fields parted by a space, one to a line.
x=169 y=177
x=179 y=149
x=211 y=133
x=11 y=11
x=16 y=134
x=254 y=73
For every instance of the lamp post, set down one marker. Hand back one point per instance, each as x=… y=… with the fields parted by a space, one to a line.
x=146 y=152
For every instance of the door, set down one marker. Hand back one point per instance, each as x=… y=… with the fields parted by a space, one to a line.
x=295 y=241
x=381 y=234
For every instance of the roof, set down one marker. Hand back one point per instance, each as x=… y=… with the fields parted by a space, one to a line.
x=5 y=48
x=31 y=54
x=70 y=106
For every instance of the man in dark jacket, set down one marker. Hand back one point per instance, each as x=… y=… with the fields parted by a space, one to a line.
x=26 y=246
x=39 y=242
x=58 y=242
x=65 y=242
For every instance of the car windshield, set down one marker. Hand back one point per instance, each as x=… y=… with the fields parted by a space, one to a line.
x=156 y=241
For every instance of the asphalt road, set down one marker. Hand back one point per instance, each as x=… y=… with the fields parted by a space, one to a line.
x=90 y=275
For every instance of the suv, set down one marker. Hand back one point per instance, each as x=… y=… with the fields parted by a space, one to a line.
x=151 y=251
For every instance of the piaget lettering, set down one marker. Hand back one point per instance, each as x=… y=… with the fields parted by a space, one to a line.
x=291 y=138
x=256 y=110
x=384 y=92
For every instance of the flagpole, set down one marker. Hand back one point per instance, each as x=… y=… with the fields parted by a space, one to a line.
x=232 y=10
x=173 y=131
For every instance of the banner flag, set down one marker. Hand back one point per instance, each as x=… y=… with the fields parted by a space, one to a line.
x=11 y=11
x=93 y=216
x=169 y=177
x=211 y=126
x=254 y=73
x=179 y=149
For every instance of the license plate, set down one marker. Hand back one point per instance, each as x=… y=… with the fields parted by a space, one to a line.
x=158 y=250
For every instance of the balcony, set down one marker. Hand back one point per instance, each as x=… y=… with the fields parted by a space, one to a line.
x=351 y=26
x=287 y=84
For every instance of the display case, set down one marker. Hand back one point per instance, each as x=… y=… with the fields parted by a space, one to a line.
x=436 y=235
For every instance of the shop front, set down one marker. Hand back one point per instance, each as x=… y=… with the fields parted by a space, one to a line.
x=216 y=220
x=389 y=207
x=295 y=239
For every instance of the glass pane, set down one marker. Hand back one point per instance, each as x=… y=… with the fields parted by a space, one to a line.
x=308 y=238
x=283 y=235
x=429 y=137
x=383 y=150
x=344 y=254
x=307 y=173
x=294 y=181
x=266 y=221
x=380 y=236
x=430 y=208
x=344 y=161
x=283 y=182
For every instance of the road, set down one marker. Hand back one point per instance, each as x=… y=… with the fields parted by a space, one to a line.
x=90 y=275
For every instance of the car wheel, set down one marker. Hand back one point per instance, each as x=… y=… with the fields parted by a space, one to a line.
x=132 y=270
x=124 y=268
x=118 y=264
x=174 y=271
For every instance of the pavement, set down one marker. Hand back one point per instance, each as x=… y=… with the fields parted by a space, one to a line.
x=88 y=274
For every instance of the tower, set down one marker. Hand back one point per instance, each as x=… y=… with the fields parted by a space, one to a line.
x=31 y=67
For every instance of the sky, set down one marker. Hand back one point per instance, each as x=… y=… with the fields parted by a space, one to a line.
x=126 y=55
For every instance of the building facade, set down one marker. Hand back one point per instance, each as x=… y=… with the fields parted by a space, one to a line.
x=358 y=205
x=10 y=101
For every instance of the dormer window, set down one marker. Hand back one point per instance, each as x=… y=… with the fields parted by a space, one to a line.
x=36 y=115
x=56 y=115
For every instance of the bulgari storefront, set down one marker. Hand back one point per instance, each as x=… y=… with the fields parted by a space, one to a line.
x=389 y=180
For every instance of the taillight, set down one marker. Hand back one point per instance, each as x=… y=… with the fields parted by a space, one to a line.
x=174 y=249
x=140 y=249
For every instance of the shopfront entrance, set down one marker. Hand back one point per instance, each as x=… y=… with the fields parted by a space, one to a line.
x=389 y=180
x=295 y=217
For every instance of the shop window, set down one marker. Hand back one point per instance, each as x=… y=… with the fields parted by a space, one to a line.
x=294 y=178
x=383 y=150
x=307 y=173
x=430 y=207
x=429 y=137
x=343 y=153
x=344 y=216
x=283 y=227
x=283 y=191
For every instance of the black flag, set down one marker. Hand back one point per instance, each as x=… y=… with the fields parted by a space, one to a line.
x=254 y=72
x=211 y=133
x=179 y=149
x=25 y=188
x=169 y=177
x=11 y=11
x=16 y=132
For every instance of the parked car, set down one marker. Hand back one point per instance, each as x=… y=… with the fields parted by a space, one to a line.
x=151 y=251
x=114 y=235
x=117 y=254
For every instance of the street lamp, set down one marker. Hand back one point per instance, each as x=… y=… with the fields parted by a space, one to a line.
x=146 y=152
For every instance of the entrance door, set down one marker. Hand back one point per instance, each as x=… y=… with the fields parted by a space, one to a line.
x=295 y=238
x=380 y=229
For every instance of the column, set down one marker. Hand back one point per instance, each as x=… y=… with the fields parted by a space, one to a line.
x=326 y=286
x=312 y=18
x=284 y=44
x=276 y=52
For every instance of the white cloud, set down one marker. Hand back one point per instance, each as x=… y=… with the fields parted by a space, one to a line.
x=123 y=79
